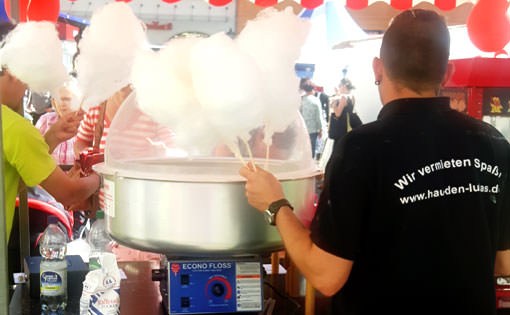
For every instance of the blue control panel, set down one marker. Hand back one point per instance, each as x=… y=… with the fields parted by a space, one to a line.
x=209 y=286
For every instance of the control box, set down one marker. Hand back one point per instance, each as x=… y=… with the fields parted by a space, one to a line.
x=214 y=286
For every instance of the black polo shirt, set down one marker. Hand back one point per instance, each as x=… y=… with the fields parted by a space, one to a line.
x=419 y=201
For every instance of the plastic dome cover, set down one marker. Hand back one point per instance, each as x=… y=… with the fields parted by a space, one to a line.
x=139 y=147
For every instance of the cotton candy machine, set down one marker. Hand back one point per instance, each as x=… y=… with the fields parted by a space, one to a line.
x=186 y=199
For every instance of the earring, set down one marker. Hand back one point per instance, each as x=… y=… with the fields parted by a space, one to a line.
x=377 y=82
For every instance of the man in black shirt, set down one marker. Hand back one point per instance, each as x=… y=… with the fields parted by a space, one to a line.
x=415 y=210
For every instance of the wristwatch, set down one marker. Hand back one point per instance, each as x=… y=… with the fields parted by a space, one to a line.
x=272 y=210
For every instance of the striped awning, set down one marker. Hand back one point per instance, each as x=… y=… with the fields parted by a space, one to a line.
x=444 y=5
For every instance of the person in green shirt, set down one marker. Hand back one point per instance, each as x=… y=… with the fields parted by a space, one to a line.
x=26 y=153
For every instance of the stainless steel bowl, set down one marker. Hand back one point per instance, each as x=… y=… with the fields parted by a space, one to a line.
x=196 y=218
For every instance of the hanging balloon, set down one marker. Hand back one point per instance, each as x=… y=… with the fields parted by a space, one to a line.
x=3 y=13
x=488 y=25
x=22 y=4
x=218 y=3
x=43 y=10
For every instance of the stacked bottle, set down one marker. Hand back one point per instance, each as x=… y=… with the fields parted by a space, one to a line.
x=53 y=271
x=99 y=241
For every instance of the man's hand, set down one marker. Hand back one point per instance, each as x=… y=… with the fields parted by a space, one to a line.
x=64 y=129
x=262 y=188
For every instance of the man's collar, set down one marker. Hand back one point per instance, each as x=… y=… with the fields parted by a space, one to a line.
x=406 y=106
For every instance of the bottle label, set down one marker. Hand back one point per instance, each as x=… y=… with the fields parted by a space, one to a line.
x=53 y=283
x=94 y=263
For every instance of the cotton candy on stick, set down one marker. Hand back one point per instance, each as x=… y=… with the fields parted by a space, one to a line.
x=33 y=54
x=164 y=90
x=163 y=82
x=274 y=39
x=107 y=51
x=228 y=85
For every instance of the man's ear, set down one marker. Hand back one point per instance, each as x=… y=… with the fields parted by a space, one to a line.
x=450 y=69
x=377 y=66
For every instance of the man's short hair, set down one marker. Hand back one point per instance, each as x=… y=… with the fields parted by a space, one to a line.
x=308 y=87
x=415 y=49
x=303 y=82
x=5 y=28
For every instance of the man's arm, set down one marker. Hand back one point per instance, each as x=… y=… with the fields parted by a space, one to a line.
x=326 y=272
x=502 y=264
x=70 y=191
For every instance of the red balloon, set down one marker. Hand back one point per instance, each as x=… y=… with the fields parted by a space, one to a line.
x=219 y=3
x=488 y=26
x=39 y=10
x=43 y=10
x=23 y=4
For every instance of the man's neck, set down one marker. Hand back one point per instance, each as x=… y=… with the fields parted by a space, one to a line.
x=16 y=108
x=407 y=93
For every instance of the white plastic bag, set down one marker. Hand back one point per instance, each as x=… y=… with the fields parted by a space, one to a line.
x=101 y=288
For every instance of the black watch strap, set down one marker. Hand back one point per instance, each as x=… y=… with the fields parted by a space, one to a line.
x=274 y=207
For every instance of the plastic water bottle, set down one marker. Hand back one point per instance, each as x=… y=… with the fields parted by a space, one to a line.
x=99 y=241
x=53 y=271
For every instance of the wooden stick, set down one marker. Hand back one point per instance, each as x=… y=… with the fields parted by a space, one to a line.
x=309 y=299
x=266 y=164
x=275 y=268
x=235 y=149
x=249 y=153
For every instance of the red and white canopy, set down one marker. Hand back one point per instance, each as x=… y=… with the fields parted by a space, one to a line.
x=361 y=4
x=444 y=5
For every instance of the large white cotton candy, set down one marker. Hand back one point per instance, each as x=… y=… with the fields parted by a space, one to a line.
x=107 y=51
x=274 y=39
x=228 y=85
x=164 y=90
x=162 y=82
x=196 y=135
x=213 y=91
x=282 y=103
x=33 y=54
